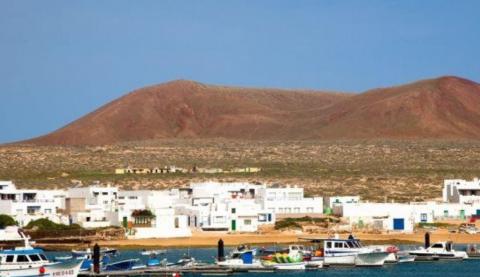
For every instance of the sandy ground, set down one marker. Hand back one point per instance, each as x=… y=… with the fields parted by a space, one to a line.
x=210 y=239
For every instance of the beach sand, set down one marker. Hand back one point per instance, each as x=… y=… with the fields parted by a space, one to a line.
x=210 y=239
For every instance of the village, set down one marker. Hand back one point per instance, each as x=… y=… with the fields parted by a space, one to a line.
x=233 y=207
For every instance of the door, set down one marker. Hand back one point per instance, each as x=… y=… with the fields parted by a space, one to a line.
x=462 y=214
x=398 y=224
x=234 y=225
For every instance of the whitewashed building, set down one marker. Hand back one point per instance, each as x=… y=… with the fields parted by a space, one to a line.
x=288 y=201
x=161 y=221
x=92 y=207
x=214 y=206
x=27 y=205
x=461 y=191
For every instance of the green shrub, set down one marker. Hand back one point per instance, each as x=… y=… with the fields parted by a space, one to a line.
x=44 y=224
x=6 y=220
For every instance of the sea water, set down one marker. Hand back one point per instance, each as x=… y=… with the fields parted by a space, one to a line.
x=439 y=268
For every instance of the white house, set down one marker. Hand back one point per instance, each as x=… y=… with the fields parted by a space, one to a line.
x=215 y=206
x=152 y=214
x=289 y=201
x=462 y=191
x=27 y=205
x=386 y=216
x=93 y=206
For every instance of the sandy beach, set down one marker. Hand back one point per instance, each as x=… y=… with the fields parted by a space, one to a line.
x=210 y=239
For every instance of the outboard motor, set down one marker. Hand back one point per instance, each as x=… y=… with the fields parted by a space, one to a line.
x=221 y=251
x=427 y=240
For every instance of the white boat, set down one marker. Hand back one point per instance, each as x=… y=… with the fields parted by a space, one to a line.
x=241 y=258
x=153 y=252
x=290 y=266
x=439 y=251
x=68 y=269
x=88 y=251
x=392 y=251
x=350 y=251
x=30 y=261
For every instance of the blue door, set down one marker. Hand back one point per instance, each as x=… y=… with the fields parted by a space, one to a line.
x=398 y=224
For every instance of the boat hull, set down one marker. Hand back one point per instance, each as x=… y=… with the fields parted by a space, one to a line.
x=60 y=269
x=290 y=266
x=371 y=259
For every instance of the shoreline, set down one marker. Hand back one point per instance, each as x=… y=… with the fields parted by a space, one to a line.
x=211 y=239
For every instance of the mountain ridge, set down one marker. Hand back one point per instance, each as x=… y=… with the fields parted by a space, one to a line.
x=443 y=107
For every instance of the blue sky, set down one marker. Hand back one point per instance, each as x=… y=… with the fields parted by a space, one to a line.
x=62 y=59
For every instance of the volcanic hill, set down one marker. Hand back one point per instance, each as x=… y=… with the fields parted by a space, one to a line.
x=445 y=107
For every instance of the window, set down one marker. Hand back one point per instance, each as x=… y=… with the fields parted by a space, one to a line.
x=234 y=210
x=177 y=223
x=423 y=217
x=22 y=259
x=87 y=219
x=247 y=222
x=329 y=244
x=338 y=245
x=10 y=258
x=104 y=193
x=437 y=245
x=43 y=257
x=34 y=258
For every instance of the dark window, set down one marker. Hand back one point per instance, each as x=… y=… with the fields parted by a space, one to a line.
x=338 y=245
x=34 y=258
x=10 y=258
x=234 y=210
x=22 y=259
x=43 y=257
x=329 y=244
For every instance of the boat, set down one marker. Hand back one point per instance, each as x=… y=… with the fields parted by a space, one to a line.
x=392 y=251
x=290 y=266
x=438 y=251
x=350 y=252
x=88 y=251
x=240 y=258
x=473 y=251
x=153 y=252
x=67 y=269
x=122 y=265
x=292 y=258
x=29 y=261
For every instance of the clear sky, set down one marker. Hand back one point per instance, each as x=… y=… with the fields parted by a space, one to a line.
x=62 y=59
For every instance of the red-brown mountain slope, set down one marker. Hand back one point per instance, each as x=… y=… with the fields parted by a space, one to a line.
x=189 y=109
x=446 y=107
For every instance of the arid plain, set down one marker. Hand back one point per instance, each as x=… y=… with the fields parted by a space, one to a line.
x=398 y=170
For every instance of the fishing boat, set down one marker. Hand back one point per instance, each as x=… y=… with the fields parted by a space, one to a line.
x=438 y=251
x=288 y=259
x=67 y=269
x=392 y=251
x=240 y=258
x=350 y=251
x=29 y=261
